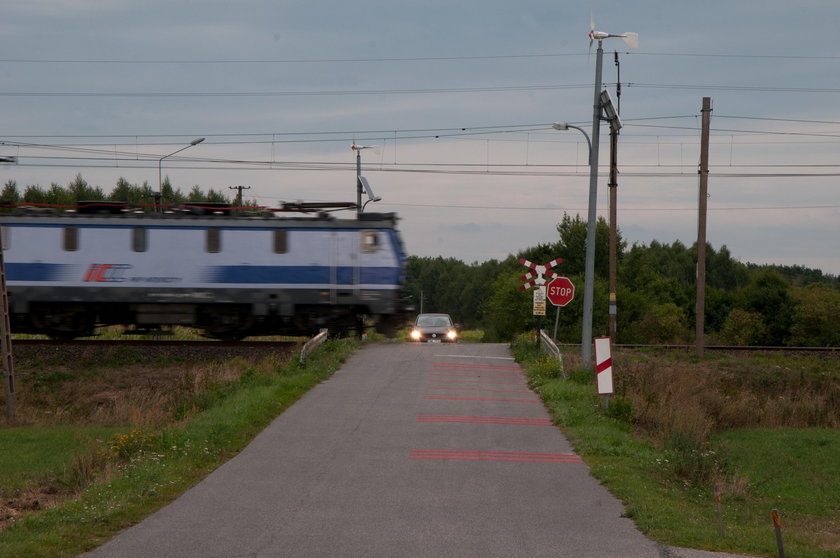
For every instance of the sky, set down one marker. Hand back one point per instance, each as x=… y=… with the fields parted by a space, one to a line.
x=456 y=100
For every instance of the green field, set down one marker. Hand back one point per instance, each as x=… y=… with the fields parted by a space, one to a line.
x=666 y=446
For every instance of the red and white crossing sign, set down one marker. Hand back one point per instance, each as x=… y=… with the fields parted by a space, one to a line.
x=536 y=277
x=560 y=291
x=603 y=365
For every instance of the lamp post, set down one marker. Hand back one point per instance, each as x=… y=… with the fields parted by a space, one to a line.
x=562 y=126
x=159 y=194
x=589 y=277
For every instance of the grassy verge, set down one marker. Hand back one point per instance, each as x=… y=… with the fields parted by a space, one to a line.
x=668 y=469
x=133 y=471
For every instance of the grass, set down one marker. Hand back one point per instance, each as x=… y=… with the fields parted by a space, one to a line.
x=746 y=427
x=666 y=445
x=38 y=455
x=139 y=468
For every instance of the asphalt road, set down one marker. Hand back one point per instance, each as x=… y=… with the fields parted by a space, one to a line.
x=410 y=451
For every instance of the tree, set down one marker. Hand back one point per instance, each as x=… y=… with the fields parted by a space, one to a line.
x=743 y=328
x=572 y=245
x=664 y=323
x=769 y=296
x=815 y=317
x=80 y=190
x=133 y=194
x=508 y=310
x=10 y=195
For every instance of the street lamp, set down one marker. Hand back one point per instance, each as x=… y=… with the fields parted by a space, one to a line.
x=159 y=194
x=589 y=275
x=563 y=126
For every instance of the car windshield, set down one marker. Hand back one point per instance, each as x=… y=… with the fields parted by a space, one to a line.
x=433 y=321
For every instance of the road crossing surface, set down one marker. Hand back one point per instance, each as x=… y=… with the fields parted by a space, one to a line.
x=409 y=450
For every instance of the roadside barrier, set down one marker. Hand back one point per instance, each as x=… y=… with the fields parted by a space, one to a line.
x=549 y=346
x=312 y=344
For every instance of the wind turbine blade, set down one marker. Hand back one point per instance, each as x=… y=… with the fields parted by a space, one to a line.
x=632 y=39
x=591 y=22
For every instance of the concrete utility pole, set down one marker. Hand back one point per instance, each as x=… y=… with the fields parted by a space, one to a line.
x=589 y=269
x=700 y=308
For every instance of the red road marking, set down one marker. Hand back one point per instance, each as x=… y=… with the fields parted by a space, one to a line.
x=479 y=371
x=496 y=456
x=485 y=420
x=478 y=375
x=483 y=389
x=483 y=399
x=484 y=366
x=484 y=382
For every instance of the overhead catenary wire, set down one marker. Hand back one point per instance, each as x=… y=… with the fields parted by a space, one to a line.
x=343 y=60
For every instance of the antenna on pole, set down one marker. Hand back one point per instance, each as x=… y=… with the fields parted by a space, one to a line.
x=361 y=181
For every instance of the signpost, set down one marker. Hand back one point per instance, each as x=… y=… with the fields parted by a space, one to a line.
x=539 y=301
x=536 y=278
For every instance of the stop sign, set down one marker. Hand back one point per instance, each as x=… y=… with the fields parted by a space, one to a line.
x=560 y=291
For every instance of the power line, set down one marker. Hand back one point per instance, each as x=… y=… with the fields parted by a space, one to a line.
x=200 y=94
x=233 y=61
x=750 y=88
x=283 y=60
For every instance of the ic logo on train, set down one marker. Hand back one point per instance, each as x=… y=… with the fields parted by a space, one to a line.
x=106 y=273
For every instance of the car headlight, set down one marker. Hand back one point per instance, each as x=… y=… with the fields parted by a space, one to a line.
x=452 y=334
x=415 y=334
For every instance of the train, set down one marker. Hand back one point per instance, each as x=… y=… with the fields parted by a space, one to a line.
x=230 y=274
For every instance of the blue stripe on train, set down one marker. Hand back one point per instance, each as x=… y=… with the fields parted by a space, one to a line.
x=233 y=274
x=251 y=274
x=38 y=272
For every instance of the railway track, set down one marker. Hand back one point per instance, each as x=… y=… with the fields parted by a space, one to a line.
x=835 y=351
x=733 y=349
x=28 y=351
x=153 y=343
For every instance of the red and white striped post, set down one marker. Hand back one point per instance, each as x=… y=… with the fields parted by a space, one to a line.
x=603 y=368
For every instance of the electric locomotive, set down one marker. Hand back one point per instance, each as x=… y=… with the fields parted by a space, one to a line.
x=202 y=266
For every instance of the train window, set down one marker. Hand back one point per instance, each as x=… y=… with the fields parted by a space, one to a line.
x=138 y=239
x=214 y=240
x=370 y=242
x=71 y=239
x=4 y=238
x=280 y=241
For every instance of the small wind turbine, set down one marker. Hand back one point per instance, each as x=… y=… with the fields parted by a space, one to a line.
x=632 y=39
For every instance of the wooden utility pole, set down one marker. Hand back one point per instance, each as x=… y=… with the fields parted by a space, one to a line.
x=238 y=202
x=239 y=189
x=6 y=345
x=700 y=311
x=613 y=186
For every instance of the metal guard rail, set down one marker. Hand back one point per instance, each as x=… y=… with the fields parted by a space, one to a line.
x=550 y=347
x=312 y=344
